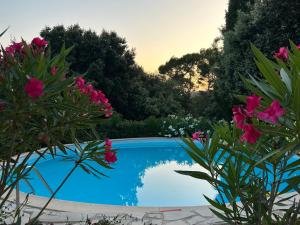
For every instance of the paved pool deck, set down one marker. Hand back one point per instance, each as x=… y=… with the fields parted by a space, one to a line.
x=67 y=212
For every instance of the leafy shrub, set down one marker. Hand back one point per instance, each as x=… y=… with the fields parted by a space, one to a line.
x=117 y=127
x=40 y=107
x=254 y=163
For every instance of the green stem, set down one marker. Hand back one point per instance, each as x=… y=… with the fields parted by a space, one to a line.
x=54 y=193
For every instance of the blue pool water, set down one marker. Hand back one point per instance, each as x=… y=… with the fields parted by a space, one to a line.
x=143 y=176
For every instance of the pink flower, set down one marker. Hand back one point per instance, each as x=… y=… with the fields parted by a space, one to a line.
x=196 y=135
x=39 y=42
x=239 y=116
x=272 y=113
x=10 y=50
x=94 y=97
x=200 y=136
x=251 y=134
x=108 y=110
x=80 y=83
x=53 y=70
x=34 y=88
x=108 y=144
x=89 y=88
x=110 y=157
x=102 y=97
x=15 y=47
x=282 y=54
x=252 y=103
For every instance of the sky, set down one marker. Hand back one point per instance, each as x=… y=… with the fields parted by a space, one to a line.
x=156 y=29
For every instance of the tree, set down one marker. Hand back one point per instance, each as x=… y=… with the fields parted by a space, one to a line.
x=105 y=59
x=183 y=70
x=109 y=64
x=194 y=69
x=263 y=25
x=234 y=7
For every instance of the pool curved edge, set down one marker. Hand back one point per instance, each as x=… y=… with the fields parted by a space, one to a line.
x=37 y=202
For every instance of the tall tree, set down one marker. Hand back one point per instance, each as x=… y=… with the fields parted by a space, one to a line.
x=108 y=62
x=192 y=70
x=269 y=24
x=106 y=59
x=234 y=7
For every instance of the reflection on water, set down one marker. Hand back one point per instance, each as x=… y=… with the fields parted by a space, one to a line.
x=162 y=187
x=142 y=176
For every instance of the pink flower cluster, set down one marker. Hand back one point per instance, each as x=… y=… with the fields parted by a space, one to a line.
x=199 y=136
x=96 y=96
x=39 y=42
x=34 y=88
x=283 y=53
x=109 y=155
x=243 y=117
x=17 y=47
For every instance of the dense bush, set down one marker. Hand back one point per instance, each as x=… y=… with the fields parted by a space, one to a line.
x=117 y=127
x=171 y=126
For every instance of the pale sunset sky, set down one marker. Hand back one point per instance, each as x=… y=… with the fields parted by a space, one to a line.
x=156 y=29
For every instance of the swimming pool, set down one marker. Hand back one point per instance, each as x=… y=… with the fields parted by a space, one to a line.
x=143 y=176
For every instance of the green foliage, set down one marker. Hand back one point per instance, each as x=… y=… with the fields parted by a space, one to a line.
x=109 y=64
x=170 y=126
x=234 y=7
x=117 y=127
x=3 y=32
x=268 y=24
x=192 y=70
x=253 y=180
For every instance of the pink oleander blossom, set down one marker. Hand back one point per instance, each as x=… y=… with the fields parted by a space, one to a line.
x=239 y=116
x=199 y=136
x=80 y=84
x=110 y=157
x=250 y=134
x=10 y=50
x=15 y=47
x=34 y=88
x=102 y=97
x=89 y=88
x=252 y=103
x=39 y=42
x=272 y=113
x=94 y=97
x=108 y=110
x=282 y=54
x=108 y=145
x=196 y=135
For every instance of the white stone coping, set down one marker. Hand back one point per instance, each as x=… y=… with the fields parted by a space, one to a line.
x=37 y=202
